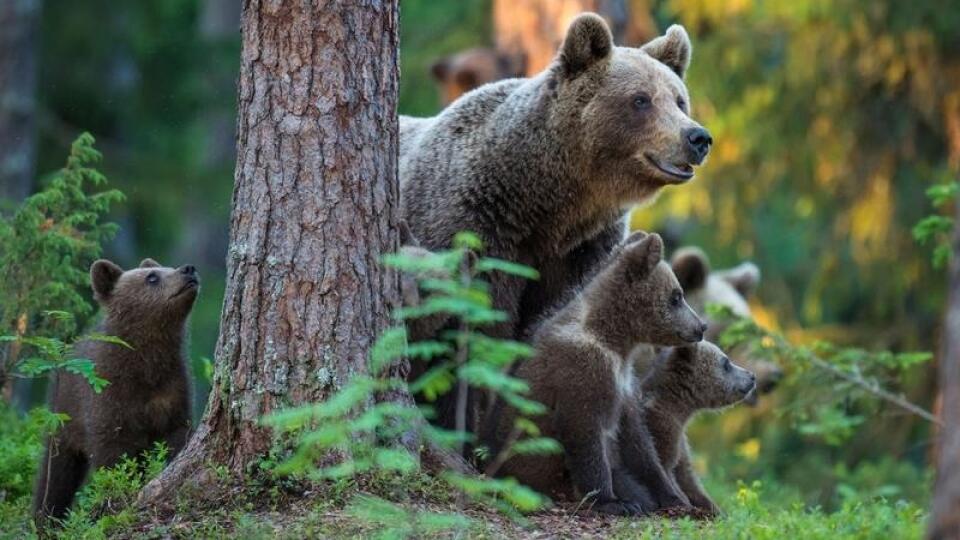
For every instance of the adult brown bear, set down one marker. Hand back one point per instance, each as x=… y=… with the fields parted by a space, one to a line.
x=543 y=168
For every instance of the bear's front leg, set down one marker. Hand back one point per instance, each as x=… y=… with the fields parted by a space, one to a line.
x=61 y=473
x=690 y=484
x=586 y=458
x=640 y=458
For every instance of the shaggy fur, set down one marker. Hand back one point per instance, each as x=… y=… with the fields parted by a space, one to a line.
x=729 y=288
x=543 y=168
x=686 y=380
x=581 y=374
x=147 y=399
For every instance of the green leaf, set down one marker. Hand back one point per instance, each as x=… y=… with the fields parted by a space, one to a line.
x=437 y=381
x=86 y=369
x=107 y=339
x=540 y=446
x=467 y=240
x=387 y=348
x=488 y=264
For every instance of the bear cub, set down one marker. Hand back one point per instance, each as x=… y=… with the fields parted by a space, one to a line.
x=581 y=373
x=684 y=381
x=730 y=288
x=148 y=395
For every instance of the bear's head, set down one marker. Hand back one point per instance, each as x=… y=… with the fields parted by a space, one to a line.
x=150 y=294
x=629 y=108
x=459 y=73
x=728 y=288
x=637 y=299
x=703 y=377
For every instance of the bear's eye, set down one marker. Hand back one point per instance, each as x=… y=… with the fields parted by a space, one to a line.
x=642 y=102
x=727 y=366
x=676 y=297
x=153 y=278
x=682 y=103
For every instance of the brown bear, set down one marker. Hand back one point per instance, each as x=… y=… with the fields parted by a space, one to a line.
x=459 y=73
x=729 y=288
x=543 y=168
x=581 y=373
x=148 y=395
x=683 y=381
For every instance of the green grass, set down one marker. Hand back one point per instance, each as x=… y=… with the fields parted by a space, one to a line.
x=104 y=509
x=748 y=515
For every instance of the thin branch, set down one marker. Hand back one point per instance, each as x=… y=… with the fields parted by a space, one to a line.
x=503 y=455
x=875 y=389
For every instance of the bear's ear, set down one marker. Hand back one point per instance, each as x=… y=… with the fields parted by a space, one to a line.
x=103 y=277
x=587 y=42
x=643 y=256
x=744 y=278
x=672 y=49
x=691 y=266
x=149 y=263
x=511 y=64
x=635 y=236
x=441 y=69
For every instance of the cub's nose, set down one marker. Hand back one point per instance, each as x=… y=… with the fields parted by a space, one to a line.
x=188 y=269
x=698 y=141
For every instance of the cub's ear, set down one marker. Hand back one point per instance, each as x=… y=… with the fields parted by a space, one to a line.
x=643 y=256
x=672 y=49
x=692 y=267
x=635 y=236
x=745 y=277
x=103 y=277
x=149 y=263
x=587 y=42
x=441 y=69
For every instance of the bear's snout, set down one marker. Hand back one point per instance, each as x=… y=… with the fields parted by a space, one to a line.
x=698 y=143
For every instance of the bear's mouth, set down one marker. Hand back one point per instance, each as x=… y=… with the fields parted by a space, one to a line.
x=682 y=172
x=191 y=284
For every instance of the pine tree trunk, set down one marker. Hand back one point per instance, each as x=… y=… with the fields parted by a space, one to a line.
x=19 y=21
x=534 y=29
x=315 y=206
x=945 y=518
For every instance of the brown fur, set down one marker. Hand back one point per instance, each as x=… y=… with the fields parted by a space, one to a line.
x=729 y=288
x=686 y=380
x=147 y=398
x=542 y=168
x=581 y=373
x=460 y=73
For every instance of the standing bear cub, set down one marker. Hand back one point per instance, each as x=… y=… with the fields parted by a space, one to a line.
x=684 y=381
x=582 y=374
x=148 y=395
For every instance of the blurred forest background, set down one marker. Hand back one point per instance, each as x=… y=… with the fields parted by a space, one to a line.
x=831 y=119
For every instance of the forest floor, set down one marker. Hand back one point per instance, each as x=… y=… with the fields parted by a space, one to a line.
x=420 y=512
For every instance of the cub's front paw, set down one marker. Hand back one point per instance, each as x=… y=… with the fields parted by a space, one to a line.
x=673 y=500
x=618 y=508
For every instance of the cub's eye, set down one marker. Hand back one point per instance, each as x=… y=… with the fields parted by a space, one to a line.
x=642 y=102
x=682 y=103
x=676 y=298
x=727 y=366
x=153 y=278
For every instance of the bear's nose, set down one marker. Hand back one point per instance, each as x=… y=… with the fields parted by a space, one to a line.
x=699 y=141
x=188 y=269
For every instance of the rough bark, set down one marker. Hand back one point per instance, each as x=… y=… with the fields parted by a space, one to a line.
x=534 y=29
x=945 y=518
x=315 y=205
x=19 y=21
